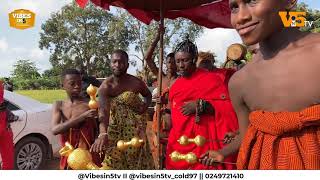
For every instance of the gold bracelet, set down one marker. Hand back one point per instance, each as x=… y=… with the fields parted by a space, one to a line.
x=102 y=134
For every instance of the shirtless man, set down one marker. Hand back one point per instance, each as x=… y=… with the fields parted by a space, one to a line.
x=274 y=96
x=72 y=118
x=120 y=82
x=168 y=78
x=125 y=114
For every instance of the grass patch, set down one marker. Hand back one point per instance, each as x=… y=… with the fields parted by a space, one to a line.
x=44 y=96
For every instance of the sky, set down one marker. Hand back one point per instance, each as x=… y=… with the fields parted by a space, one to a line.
x=23 y=44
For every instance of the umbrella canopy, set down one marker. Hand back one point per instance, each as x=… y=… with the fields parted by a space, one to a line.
x=207 y=13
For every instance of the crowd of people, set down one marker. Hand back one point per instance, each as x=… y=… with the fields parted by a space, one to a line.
x=263 y=116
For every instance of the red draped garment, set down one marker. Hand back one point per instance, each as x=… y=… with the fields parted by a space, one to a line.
x=6 y=138
x=212 y=87
x=82 y=137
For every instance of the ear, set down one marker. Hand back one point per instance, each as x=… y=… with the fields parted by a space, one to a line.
x=291 y=4
x=127 y=64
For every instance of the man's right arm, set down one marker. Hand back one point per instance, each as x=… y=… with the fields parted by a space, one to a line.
x=104 y=108
x=104 y=113
x=57 y=127
x=242 y=112
x=149 y=60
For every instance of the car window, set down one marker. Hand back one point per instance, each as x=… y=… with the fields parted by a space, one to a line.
x=11 y=106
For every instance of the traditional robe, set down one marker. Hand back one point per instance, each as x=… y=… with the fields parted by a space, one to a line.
x=212 y=87
x=6 y=137
x=3 y=116
x=163 y=131
x=282 y=140
x=124 y=124
x=164 y=95
x=83 y=137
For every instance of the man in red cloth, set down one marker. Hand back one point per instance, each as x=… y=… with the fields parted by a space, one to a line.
x=73 y=119
x=276 y=96
x=200 y=105
x=6 y=136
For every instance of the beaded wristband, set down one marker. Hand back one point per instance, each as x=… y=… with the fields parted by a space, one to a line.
x=102 y=134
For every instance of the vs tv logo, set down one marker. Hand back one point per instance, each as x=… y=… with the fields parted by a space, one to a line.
x=21 y=19
x=294 y=19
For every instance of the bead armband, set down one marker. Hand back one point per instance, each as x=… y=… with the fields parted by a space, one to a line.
x=202 y=105
x=102 y=134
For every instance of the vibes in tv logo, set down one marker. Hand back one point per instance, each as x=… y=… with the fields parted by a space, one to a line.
x=294 y=19
x=22 y=19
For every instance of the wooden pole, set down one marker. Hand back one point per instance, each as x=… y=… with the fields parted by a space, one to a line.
x=161 y=25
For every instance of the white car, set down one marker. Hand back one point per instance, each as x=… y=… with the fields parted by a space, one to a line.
x=33 y=141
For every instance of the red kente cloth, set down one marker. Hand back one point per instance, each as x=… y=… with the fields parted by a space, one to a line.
x=6 y=138
x=212 y=87
x=282 y=140
x=87 y=130
x=3 y=124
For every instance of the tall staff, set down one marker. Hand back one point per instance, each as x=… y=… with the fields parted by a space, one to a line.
x=161 y=26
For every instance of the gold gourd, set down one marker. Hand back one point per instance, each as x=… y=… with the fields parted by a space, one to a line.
x=92 y=92
x=198 y=140
x=190 y=158
x=135 y=142
x=80 y=159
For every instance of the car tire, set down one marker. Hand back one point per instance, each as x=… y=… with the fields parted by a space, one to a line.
x=30 y=153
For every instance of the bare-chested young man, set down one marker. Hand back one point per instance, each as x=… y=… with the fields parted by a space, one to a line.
x=123 y=109
x=276 y=97
x=72 y=118
x=168 y=78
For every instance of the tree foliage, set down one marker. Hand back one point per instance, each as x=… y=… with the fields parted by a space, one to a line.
x=175 y=31
x=25 y=69
x=83 y=38
x=312 y=15
x=25 y=76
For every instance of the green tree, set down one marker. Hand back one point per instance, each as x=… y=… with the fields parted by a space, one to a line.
x=83 y=38
x=53 y=72
x=25 y=69
x=312 y=15
x=145 y=34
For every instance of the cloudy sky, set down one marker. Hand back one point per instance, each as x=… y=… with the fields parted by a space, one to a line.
x=23 y=44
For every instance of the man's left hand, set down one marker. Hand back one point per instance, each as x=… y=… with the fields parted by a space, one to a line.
x=211 y=158
x=100 y=144
x=189 y=108
x=229 y=137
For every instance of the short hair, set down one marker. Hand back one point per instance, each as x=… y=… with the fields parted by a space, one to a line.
x=82 y=71
x=170 y=55
x=209 y=56
x=189 y=47
x=70 y=72
x=122 y=52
